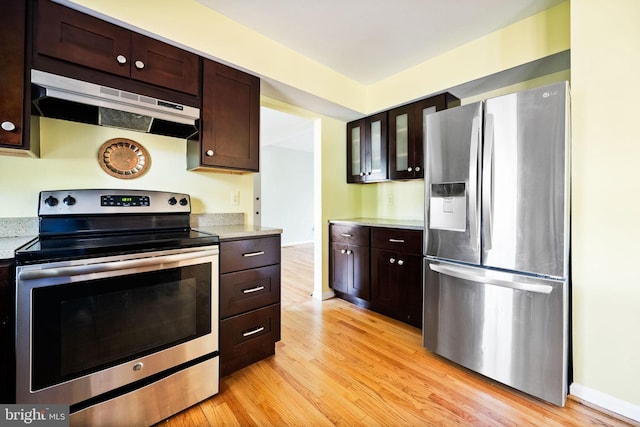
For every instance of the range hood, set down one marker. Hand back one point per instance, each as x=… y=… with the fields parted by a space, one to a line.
x=64 y=98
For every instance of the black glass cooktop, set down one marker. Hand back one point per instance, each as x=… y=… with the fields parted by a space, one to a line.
x=51 y=249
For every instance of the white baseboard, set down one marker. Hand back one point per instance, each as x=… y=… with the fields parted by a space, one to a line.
x=324 y=295
x=302 y=242
x=605 y=401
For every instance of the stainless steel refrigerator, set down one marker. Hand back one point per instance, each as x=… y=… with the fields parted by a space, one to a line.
x=496 y=269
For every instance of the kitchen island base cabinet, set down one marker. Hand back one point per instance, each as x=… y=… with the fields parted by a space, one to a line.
x=249 y=301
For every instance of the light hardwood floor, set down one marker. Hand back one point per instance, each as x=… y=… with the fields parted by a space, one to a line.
x=338 y=364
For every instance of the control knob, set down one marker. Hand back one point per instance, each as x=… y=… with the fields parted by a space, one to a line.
x=172 y=201
x=184 y=201
x=51 y=201
x=69 y=200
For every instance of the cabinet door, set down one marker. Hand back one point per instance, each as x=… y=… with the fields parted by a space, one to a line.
x=72 y=36
x=158 y=63
x=12 y=70
x=340 y=268
x=376 y=148
x=406 y=130
x=410 y=274
x=387 y=291
x=402 y=153
x=230 y=118
x=356 y=151
x=360 y=284
x=7 y=325
x=350 y=270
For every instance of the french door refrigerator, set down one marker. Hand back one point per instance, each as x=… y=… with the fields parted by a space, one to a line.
x=496 y=279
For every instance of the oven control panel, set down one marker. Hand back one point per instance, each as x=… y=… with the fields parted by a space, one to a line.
x=105 y=202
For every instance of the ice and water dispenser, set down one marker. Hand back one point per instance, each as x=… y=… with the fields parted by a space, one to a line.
x=448 y=207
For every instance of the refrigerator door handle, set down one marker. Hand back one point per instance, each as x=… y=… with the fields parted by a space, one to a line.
x=462 y=273
x=487 y=181
x=473 y=181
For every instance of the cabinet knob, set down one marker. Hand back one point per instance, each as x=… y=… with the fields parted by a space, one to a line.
x=349 y=251
x=409 y=169
x=361 y=173
x=342 y=251
x=209 y=153
x=400 y=262
x=121 y=59
x=417 y=168
x=139 y=65
x=392 y=260
x=8 y=126
x=369 y=173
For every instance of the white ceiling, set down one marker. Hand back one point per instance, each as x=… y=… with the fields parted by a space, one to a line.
x=366 y=40
x=369 y=40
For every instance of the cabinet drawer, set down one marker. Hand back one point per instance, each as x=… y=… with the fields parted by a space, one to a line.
x=249 y=289
x=249 y=337
x=395 y=239
x=349 y=234
x=243 y=254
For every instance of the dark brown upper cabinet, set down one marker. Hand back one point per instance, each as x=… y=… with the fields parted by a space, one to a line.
x=66 y=39
x=230 y=125
x=367 y=149
x=15 y=131
x=406 y=125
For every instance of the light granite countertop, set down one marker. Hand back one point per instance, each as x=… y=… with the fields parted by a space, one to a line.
x=382 y=222
x=236 y=231
x=8 y=245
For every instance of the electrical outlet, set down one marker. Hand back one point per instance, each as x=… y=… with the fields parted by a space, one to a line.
x=235 y=198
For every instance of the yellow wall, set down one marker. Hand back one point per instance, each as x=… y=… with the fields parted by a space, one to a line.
x=605 y=66
x=69 y=159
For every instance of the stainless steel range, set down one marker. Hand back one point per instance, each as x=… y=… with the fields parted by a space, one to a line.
x=117 y=307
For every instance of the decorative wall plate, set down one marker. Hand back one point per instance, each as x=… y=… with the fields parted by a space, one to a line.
x=123 y=158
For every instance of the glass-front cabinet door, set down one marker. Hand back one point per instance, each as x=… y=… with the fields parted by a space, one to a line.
x=406 y=130
x=367 y=149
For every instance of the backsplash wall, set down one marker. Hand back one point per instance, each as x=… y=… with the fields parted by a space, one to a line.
x=69 y=160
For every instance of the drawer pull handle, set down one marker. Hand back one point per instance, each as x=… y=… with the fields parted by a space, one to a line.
x=346 y=235
x=252 y=290
x=396 y=240
x=255 y=331
x=250 y=254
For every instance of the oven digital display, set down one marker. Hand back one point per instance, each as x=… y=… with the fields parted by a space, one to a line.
x=125 y=201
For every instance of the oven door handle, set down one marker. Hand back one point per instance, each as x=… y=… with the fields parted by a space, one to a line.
x=111 y=266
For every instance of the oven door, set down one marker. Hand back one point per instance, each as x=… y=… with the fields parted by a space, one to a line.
x=87 y=327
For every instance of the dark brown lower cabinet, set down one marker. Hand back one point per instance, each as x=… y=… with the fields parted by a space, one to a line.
x=396 y=276
x=349 y=263
x=7 y=338
x=378 y=268
x=249 y=301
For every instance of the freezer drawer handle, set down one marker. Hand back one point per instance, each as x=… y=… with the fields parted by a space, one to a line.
x=461 y=274
x=346 y=235
x=396 y=240
x=252 y=290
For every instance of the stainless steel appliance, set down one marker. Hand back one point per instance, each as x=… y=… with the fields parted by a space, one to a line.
x=496 y=269
x=65 y=98
x=117 y=307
